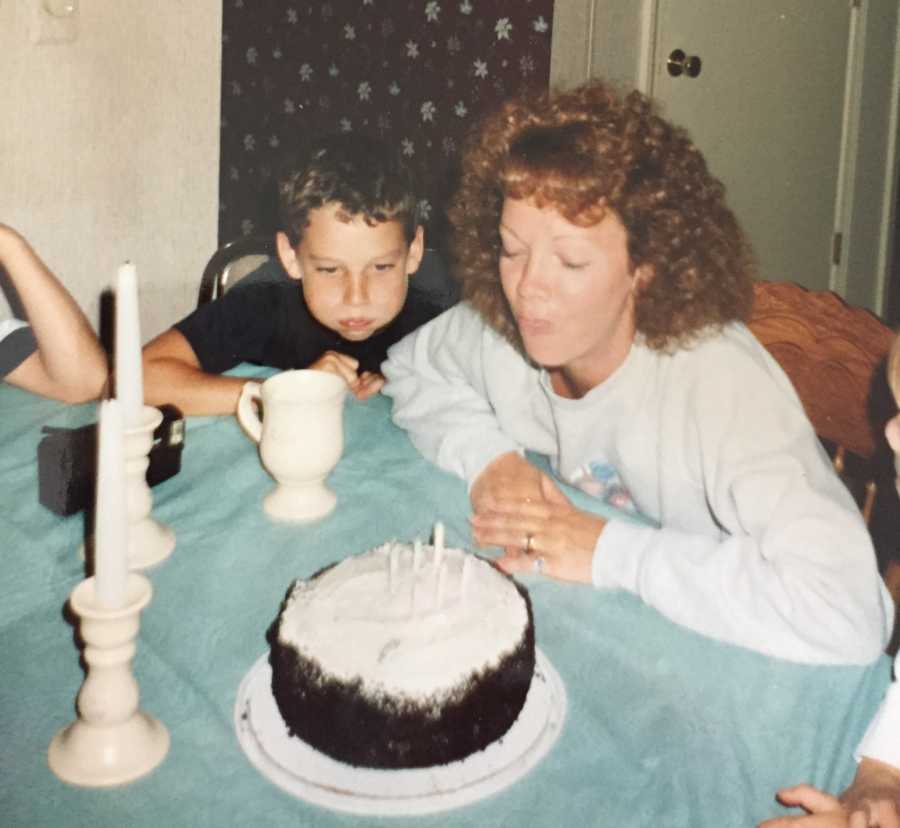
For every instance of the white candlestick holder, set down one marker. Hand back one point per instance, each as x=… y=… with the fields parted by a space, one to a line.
x=149 y=541
x=111 y=742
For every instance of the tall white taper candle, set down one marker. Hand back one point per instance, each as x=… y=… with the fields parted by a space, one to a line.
x=111 y=514
x=129 y=374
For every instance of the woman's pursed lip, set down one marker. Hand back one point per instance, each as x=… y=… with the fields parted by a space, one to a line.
x=533 y=324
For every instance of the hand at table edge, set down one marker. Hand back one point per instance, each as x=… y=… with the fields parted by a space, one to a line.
x=546 y=535
x=872 y=799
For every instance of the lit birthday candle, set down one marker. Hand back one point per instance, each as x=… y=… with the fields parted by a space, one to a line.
x=129 y=374
x=111 y=516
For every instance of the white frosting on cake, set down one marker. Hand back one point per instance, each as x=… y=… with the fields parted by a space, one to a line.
x=410 y=621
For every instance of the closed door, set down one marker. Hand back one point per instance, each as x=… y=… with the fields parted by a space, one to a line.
x=760 y=85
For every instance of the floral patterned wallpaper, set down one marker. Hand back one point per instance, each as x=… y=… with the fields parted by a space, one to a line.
x=416 y=72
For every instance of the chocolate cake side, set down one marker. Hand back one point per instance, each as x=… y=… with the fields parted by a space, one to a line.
x=336 y=718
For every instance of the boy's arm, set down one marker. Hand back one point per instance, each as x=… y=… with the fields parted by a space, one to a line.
x=464 y=396
x=69 y=363
x=172 y=374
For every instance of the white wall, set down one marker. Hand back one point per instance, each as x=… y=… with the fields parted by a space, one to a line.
x=109 y=146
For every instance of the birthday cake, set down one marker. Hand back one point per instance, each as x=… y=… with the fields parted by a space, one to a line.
x=403 y=656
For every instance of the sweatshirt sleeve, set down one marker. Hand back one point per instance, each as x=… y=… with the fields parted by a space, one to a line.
x=882 y=739
x=451 y=382
x=792 y=572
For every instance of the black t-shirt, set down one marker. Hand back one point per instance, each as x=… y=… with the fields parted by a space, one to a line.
x=268 y=323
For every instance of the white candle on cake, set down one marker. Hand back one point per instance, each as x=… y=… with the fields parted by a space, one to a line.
x=465 y=576
x=128 y=374
x=392 y=569
x=439 y=587
x=417 y=555
x=110 y=515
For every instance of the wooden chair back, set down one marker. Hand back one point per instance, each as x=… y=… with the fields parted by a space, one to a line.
x=835 y=355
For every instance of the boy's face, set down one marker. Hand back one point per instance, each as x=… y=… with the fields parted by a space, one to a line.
x=354 y=275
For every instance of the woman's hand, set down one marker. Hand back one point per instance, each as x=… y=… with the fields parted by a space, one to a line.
x=507 y=478
x=546 y=534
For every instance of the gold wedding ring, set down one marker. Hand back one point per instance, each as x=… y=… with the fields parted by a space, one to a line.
x=529 y=543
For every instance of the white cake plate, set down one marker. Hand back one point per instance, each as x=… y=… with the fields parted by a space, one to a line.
x=308 y=774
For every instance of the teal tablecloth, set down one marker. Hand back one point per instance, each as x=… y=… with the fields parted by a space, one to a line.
x=664 y=727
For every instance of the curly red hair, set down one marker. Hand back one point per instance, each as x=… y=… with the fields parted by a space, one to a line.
x=589 y=150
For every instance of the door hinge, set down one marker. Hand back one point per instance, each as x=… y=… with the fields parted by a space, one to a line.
x=837 y=243
x=855 y=4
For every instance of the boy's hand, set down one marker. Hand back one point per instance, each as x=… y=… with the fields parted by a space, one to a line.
x=362 y=385
x=368 y=384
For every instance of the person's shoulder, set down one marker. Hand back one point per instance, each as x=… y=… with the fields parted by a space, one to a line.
x=246 y=305
x=458 y=329
x=460 y=317
x=730 y=348
x=267 y=296
x=730 y=360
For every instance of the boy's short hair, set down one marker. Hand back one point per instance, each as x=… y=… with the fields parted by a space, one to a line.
x=358 y=172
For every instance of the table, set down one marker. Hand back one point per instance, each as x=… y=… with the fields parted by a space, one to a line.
x=664 y=726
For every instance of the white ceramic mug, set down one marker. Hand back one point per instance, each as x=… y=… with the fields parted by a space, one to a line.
x=300 y=436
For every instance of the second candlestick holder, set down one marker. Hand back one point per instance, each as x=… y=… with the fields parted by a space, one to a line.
x=112 y=741
x=149 y=541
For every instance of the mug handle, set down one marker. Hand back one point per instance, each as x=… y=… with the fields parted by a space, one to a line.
x=247 y=413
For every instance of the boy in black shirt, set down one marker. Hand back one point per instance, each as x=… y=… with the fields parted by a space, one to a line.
x=351 y=240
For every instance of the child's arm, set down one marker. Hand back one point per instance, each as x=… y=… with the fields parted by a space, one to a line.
x=172 y=374
x=69 y=363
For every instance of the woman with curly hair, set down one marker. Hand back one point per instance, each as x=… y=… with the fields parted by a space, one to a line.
x=606 y=284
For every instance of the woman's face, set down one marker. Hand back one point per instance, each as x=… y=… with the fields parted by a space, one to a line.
x=571 y=289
